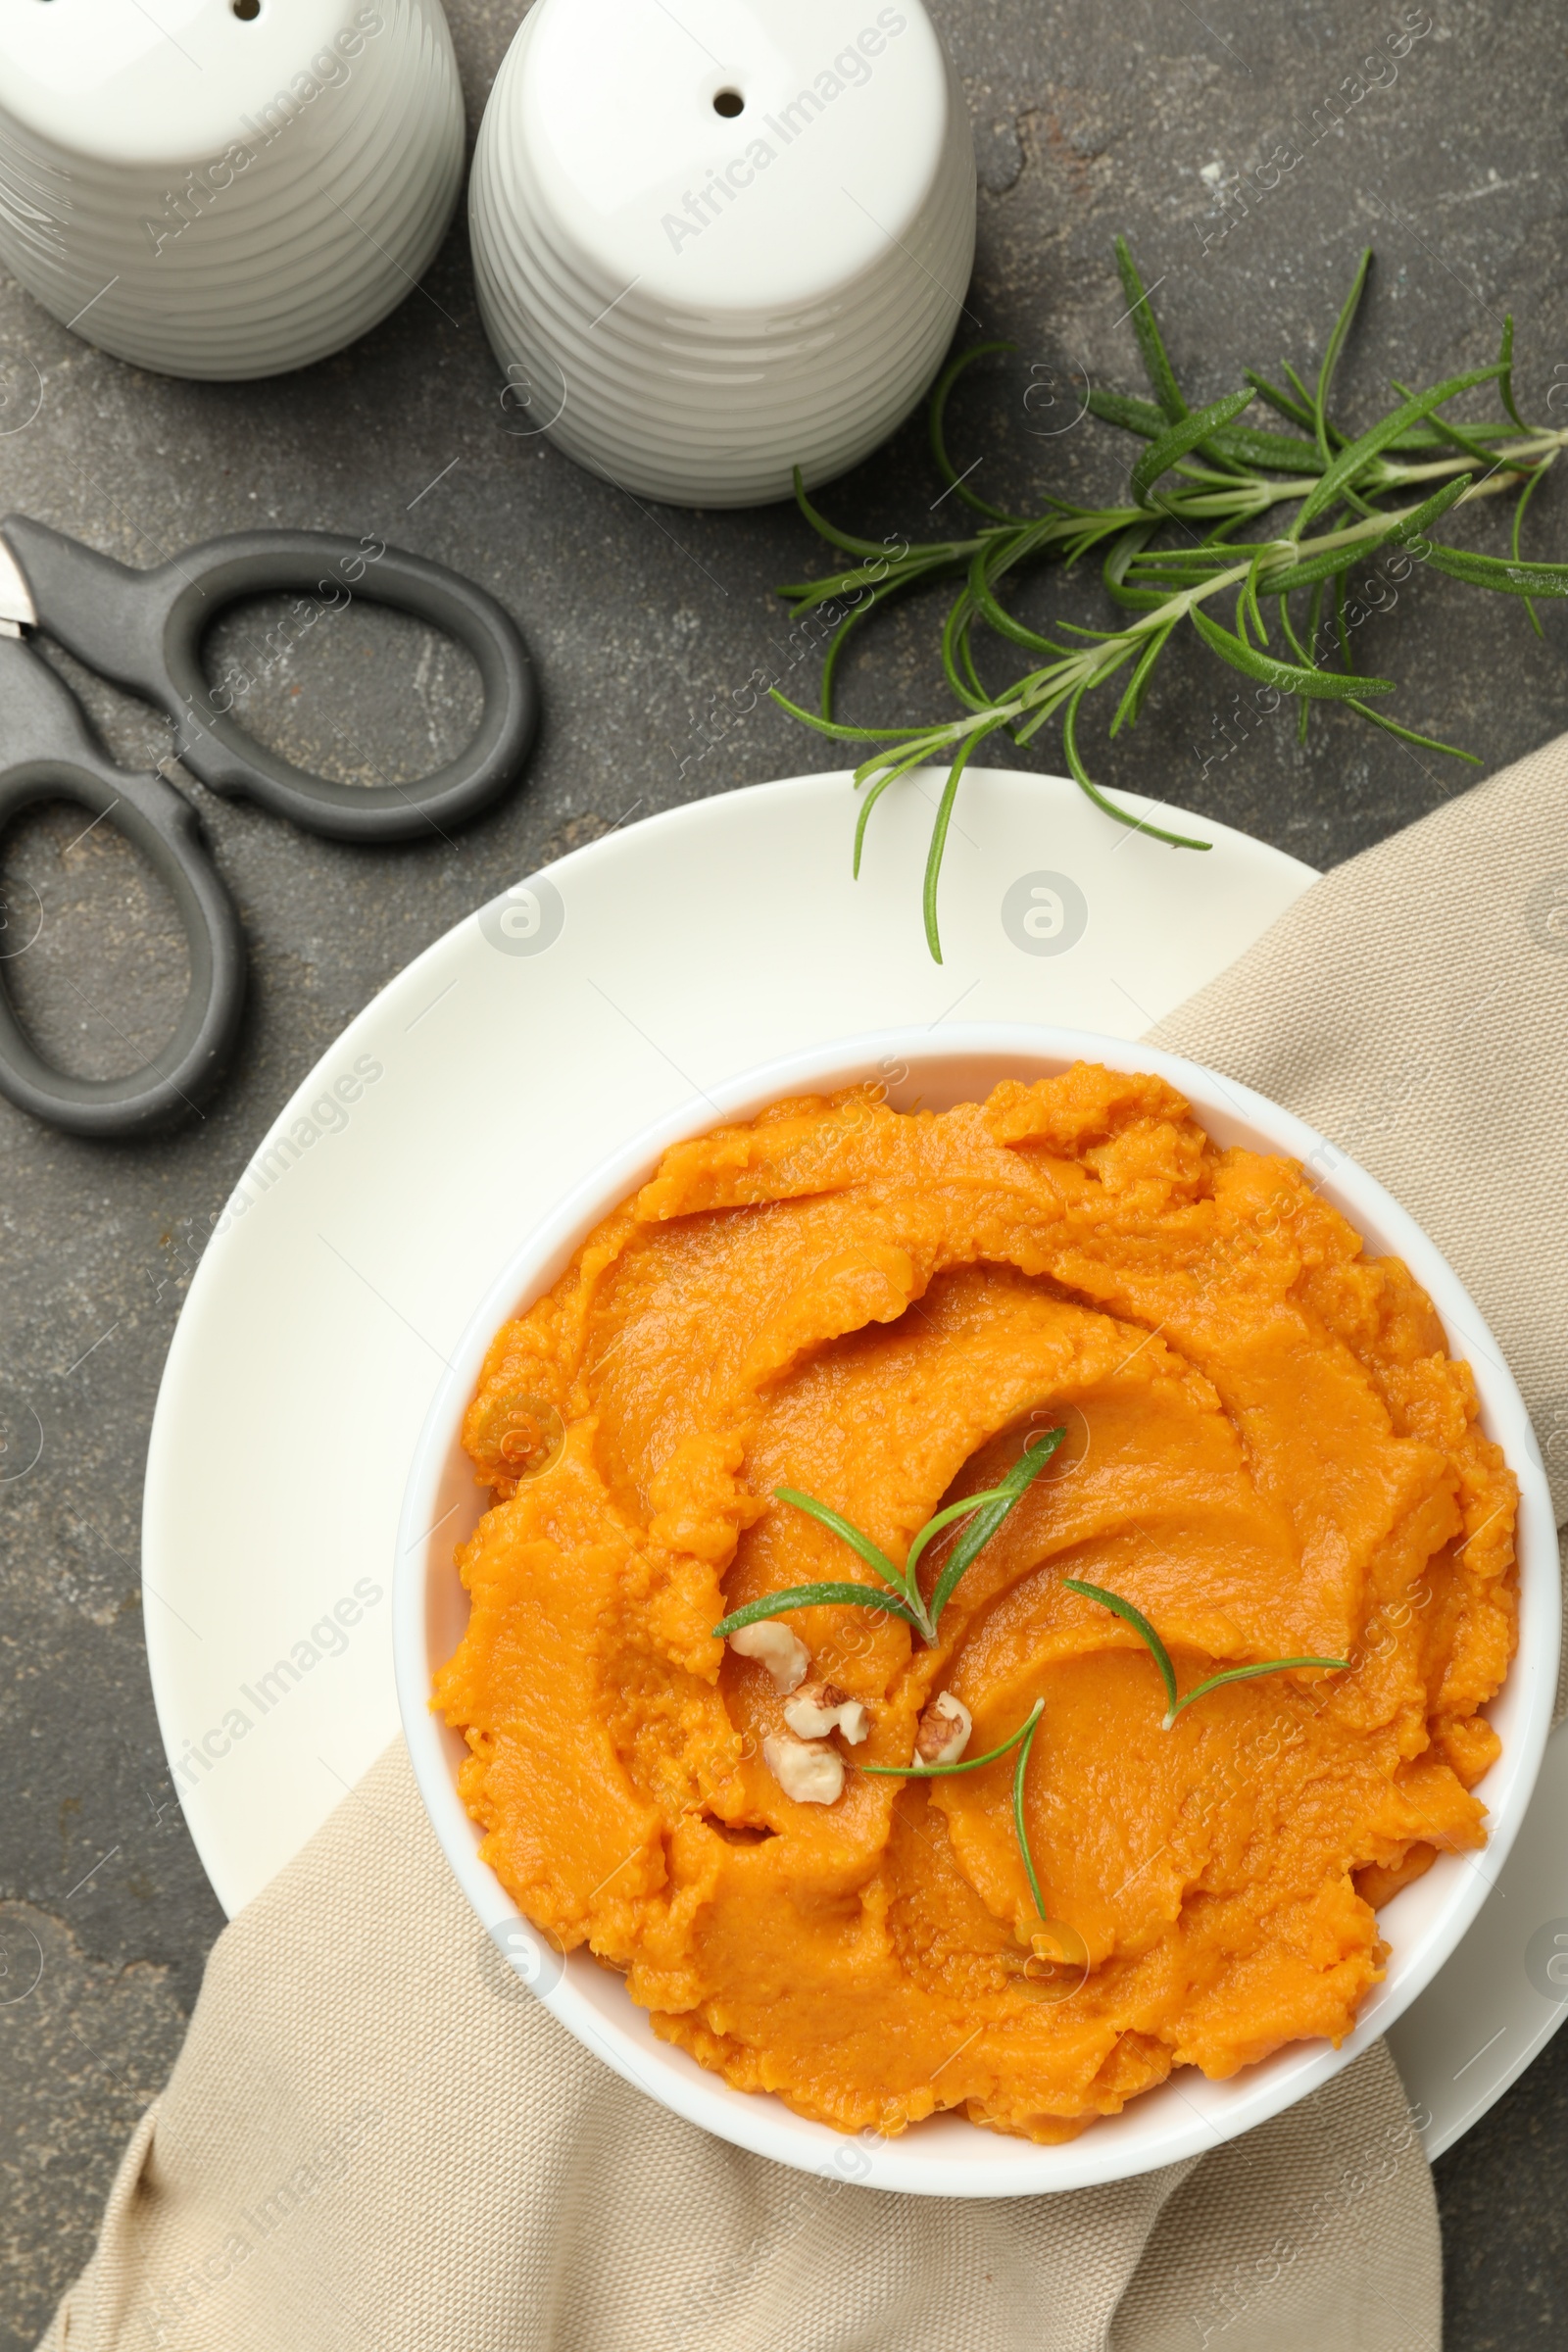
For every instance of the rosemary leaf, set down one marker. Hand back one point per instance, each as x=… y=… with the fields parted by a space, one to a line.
x=1299 y=411
x=957 y=659
x=1303 y=394
x=1220 y=509
x=1085 y=784
x=1525 y=496
x=1490 y=571
x=1132 y=701
x=939 y=835
x=1179 y=438
x=1245 y=1674
x=1353 y=459
x=1425 y=742
x=875 y=1558
x=1454 y=434
x=1161 y=378
x=940 y=397
x=862 y=611
x=890 y=775
x=1161 y=1655
x=1019 y=1825
x=814 y=1596
x=1119 y=559
x=1251 y=445
x=1327 y=685
x=836 y=728
x=830 y=530
x=1331 y=356
x=1314 y=616
x=1505 y=373
x=987 y=1518
x=1140 y=416
x=1140 y=1625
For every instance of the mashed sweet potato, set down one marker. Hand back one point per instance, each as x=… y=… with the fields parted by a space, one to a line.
x=1269 y=1451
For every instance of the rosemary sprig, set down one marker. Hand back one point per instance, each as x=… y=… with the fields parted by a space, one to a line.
x=1023 y=1739
x=1171 y=550
x=901 y=1595
x=1161 y=1655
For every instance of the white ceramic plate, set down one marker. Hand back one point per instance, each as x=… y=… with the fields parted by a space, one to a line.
x=688 y=949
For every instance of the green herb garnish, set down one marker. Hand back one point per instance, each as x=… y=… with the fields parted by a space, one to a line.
x=1204 y=476
x=1019 y=1831
x=986 y=1513
x=1023 y=1739
x=902 y=1597
x=1161 y=1655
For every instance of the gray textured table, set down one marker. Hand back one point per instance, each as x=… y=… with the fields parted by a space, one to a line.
x=1089 y=119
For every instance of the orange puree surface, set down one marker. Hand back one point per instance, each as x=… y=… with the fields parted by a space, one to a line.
x=1270 y=1453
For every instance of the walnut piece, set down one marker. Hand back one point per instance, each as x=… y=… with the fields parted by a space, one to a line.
x=944 y=1731
x=773 y=1646
x=809 y=1770
x=822 y=1707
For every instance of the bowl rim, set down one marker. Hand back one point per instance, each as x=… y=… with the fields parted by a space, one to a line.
x=1162 y=2126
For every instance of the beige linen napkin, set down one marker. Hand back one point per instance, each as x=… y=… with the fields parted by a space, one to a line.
x=376 y=2138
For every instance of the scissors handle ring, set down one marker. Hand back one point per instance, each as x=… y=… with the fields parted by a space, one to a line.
x=145 y=629
x=46 y=755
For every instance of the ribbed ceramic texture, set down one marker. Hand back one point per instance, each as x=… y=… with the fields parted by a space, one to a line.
x=715 y=372
x=167 y=249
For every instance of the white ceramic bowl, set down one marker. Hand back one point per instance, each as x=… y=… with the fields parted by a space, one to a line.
x=947 y=2156
x=692 y=301
x=225 y=188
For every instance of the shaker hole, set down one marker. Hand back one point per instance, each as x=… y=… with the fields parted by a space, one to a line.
x=728 y=102
x=246 y=10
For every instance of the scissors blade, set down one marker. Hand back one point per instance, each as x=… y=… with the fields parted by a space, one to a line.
x=17 y=609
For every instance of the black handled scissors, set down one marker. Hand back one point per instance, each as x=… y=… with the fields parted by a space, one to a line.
x=144 y=630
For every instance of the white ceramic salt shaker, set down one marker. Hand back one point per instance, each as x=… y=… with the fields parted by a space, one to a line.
x=718 y=241
x=224 y=187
